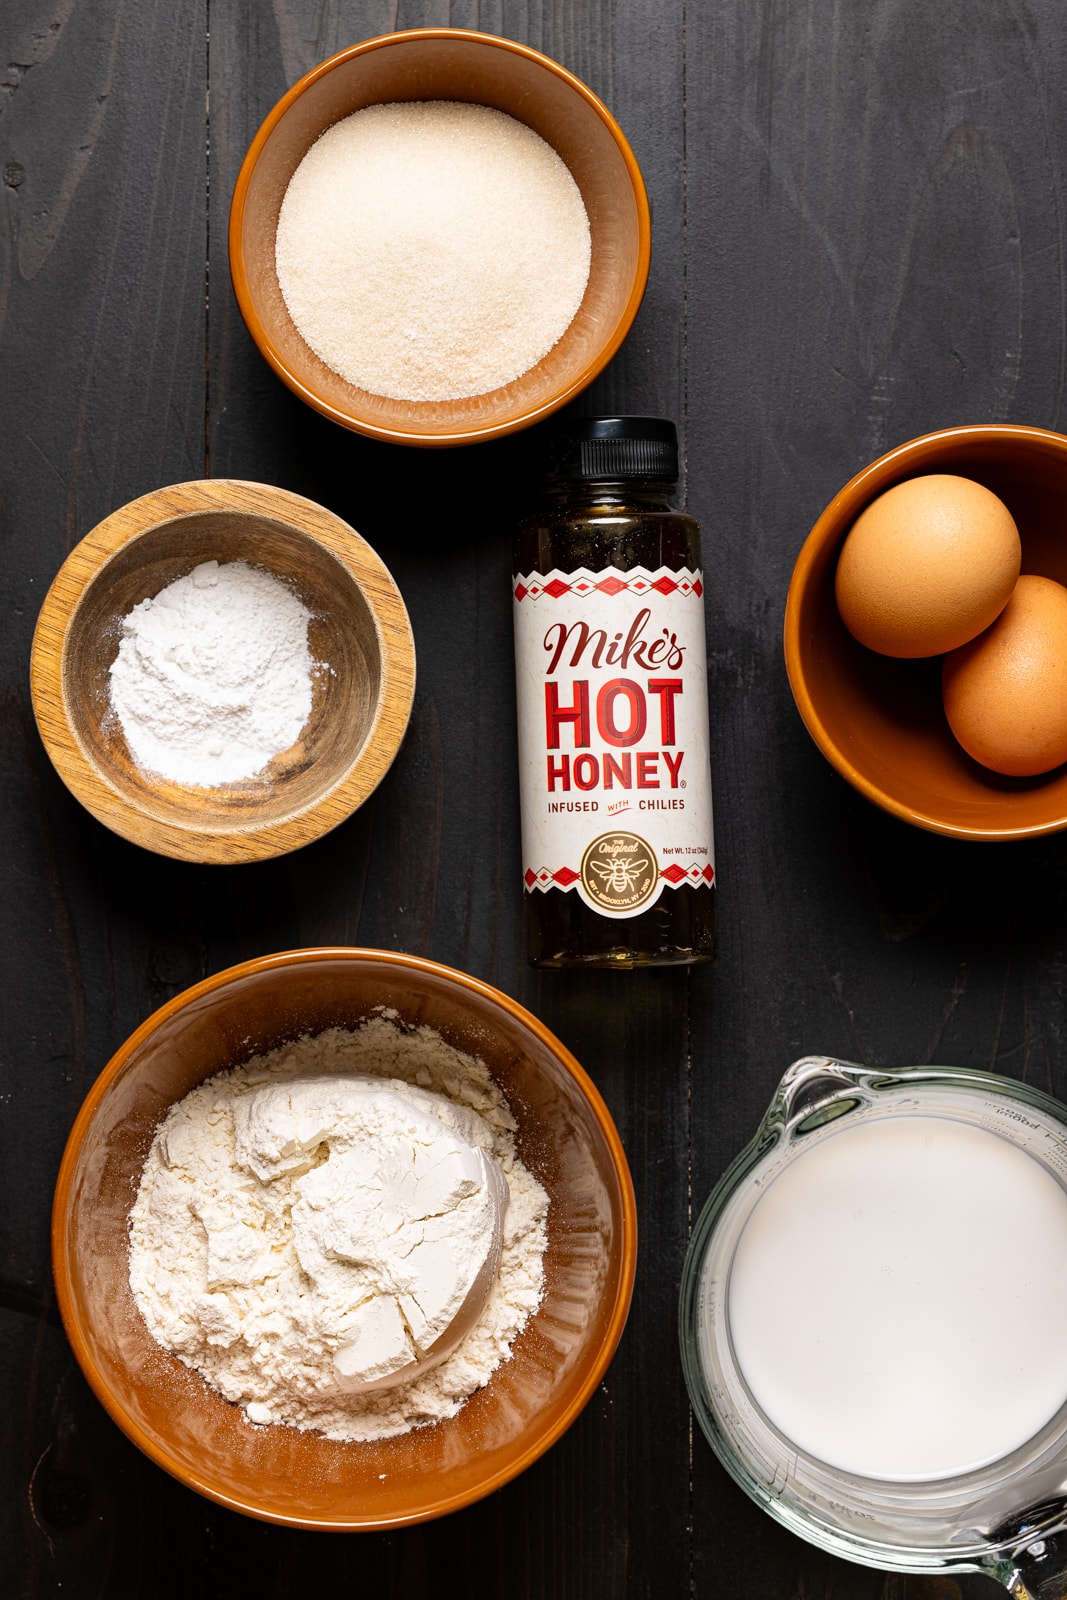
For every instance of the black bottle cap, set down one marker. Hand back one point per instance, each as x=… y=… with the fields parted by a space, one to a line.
x=590 y=448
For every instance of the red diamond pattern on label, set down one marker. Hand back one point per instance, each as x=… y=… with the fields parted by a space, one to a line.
x=675 y=874
x=544 y=879
x=566 y=876
x=637 y=582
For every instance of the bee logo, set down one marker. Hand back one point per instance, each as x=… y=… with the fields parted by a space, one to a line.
x=619 y=876
x=619 y=873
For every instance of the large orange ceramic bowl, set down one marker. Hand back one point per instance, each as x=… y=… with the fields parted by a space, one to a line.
x=448 y=64
x=880 y=721
x=302 y=1479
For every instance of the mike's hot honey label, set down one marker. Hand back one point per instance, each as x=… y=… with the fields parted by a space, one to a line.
x=613 y=734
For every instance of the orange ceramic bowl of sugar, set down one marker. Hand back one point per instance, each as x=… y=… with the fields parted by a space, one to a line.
x=565 y=1136
x=448 y=64
x=879 y=720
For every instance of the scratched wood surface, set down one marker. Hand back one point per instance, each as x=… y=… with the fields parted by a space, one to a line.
x=859 y=220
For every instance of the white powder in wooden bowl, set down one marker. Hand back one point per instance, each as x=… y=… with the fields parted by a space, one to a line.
x=432 y=250
x=213 y=676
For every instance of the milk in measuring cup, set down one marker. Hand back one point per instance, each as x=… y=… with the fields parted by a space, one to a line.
x=898 y=1298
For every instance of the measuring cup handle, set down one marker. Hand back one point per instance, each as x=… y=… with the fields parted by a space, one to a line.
x=1044 y=1579
x=1036 y=1567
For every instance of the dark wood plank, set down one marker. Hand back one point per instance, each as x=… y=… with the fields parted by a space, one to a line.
x=102 y=251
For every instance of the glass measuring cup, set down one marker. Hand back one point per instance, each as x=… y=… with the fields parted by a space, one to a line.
x=1007 y=1519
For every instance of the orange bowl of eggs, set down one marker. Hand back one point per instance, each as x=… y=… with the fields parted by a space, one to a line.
x=926 y=632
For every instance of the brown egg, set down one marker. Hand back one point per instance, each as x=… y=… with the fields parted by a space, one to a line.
x=927 y=566
x=1005 y=693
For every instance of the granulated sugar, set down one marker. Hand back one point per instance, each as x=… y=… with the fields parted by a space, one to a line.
x=432 y=250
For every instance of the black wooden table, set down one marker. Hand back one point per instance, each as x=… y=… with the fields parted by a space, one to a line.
x=860 y=216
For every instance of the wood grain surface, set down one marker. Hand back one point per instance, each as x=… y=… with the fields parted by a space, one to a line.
x=859 y=225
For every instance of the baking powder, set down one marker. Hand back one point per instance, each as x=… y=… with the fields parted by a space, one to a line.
x=213 y=676
x=250 y=1259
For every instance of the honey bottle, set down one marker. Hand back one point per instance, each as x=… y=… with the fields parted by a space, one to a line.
x=611 y=678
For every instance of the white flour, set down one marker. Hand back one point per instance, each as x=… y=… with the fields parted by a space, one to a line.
x=213 y=676
x=250 y=1257
x=432 y=250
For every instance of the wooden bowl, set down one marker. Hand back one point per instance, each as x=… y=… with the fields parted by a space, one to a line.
x=359 y=631
x=448 y=64
x=880 y=721
x=565 y=1136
